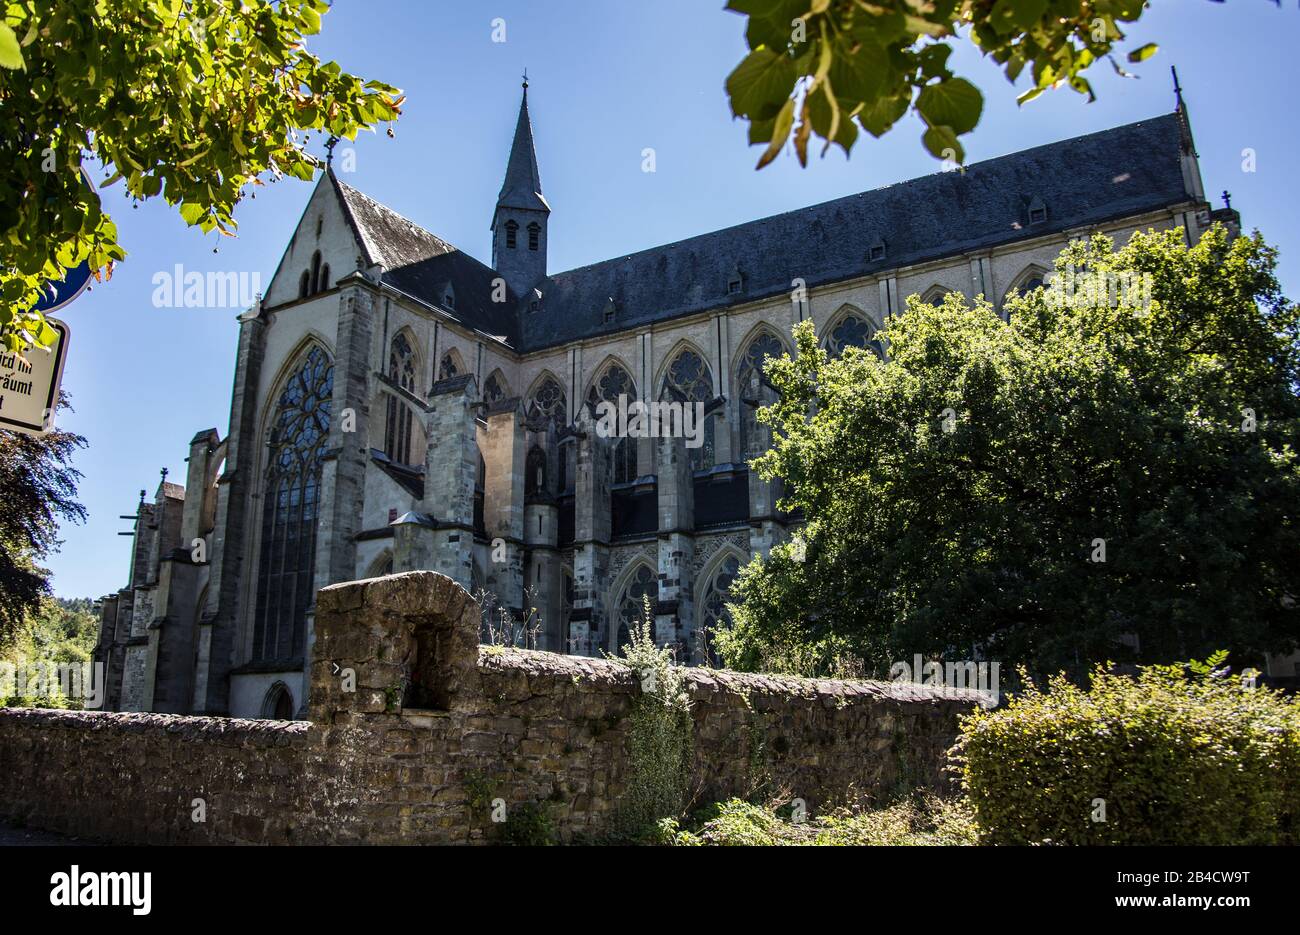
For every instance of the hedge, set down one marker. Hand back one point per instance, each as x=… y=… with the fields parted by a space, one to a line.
x=1175 y=755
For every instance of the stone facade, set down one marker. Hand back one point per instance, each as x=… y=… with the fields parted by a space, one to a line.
x=415 y=728
x=456 y=428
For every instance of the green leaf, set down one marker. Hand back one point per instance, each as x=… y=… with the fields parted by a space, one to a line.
x=781 y=130
x=1016 y=15
x=1143 y=53
x=879 y=117
x=943 y=144
x=861 y=76
x=954 y=103
x=760 y=83
x=191 y=213
x=11 y=55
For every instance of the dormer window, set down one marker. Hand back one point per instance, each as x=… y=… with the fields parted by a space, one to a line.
x=449 y=297
x=1037 y=212
x=735 y=281
x=534 y=300
x=876 y=251
x=611 y=310
x=512 y=234
x=534 y=235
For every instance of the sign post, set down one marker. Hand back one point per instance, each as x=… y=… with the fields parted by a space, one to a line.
x=29 y=387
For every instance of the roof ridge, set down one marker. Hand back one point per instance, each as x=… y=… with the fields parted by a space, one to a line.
x=846 y=198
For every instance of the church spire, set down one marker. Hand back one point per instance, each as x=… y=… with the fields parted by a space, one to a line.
x=519 y=222
x=523 y=184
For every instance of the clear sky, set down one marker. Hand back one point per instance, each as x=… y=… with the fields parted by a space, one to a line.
x=607 y=80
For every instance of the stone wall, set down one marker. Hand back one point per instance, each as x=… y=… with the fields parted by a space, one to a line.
x=416 y=730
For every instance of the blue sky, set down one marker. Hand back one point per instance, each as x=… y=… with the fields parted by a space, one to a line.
x=608 y=79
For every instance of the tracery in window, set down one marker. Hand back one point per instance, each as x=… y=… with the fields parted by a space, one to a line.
x=291 y=501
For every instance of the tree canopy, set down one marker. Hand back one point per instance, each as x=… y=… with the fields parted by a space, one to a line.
x=833 y=68
x=1113 y=464
x=192 y=101
x=38 y=487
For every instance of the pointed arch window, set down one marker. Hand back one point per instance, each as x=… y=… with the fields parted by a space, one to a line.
x=535 y=472
x=613 y=383
x=315 y=272
x=762 y=349
x=304 y=284
x=494 y=389
x=512 y=234
x=291 y=503
x=689 y=375
x=534 y=235
x=714 y=615
x=550 y=400
x=324 y=276
x=1028 y=281
x=448 y=367
x=402 y=368
x=631 y=606
x=853 y=331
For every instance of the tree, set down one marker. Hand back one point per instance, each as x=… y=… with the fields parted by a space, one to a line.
x=850 y=65
x=1119 y=461
x=38 y=487
x=192 y=101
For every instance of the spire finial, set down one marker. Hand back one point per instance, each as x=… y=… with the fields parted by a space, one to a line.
x=329 y=150
x=1178 y=89
x=525 y=79
x=164 y=472
x=1227 y=199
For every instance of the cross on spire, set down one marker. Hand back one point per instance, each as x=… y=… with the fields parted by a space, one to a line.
x=525 y=79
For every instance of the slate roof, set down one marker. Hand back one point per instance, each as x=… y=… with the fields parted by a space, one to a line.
x=422 y=264
x=1080 y=182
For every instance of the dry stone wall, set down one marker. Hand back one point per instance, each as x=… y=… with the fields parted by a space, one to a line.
x=418 y=735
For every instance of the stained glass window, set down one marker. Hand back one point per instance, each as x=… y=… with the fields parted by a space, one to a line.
x=631 y=609
x=447 y=368
x=551 y=401
x=299 y=437
x=853 y=331
x=616 y=382
x=689 y=375
x=613 y=383
x=493 y=390
x=714 y=615
x=401 y=370
x=763 y=347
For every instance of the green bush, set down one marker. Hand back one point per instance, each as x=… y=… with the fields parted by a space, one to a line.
x=1176 y=755
x=925 y=820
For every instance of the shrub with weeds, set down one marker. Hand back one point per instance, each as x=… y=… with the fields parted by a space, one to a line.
x=1179 y=754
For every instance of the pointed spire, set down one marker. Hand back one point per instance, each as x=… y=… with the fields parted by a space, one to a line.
x=523 y=184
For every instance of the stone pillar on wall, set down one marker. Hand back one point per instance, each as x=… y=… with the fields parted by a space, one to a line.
x=439 y=536
x=343 y=474
x=218 y=626
x=107 y=653
x=182 y=573
x=674 y=613
x=591 y=534
x=544 y=571
x=504 y=452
